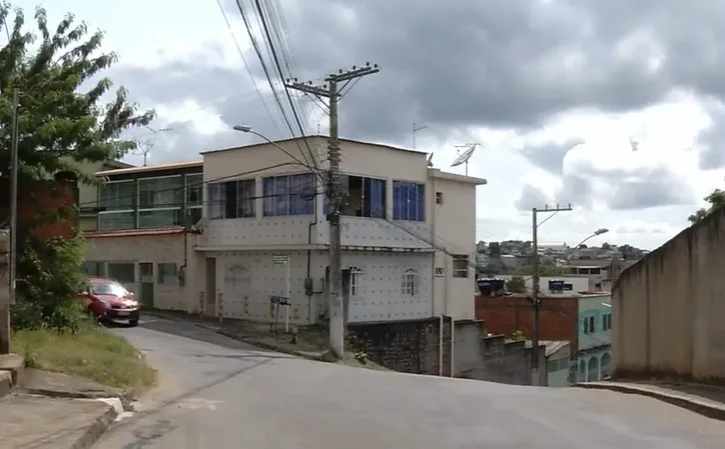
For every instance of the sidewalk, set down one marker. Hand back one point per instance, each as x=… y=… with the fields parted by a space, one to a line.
x=706 y=400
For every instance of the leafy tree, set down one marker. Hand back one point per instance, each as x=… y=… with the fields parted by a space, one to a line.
x=716 y=199
x=629 y=252
x=516 y=284
x=494 y=249
x=63 y=122
x=606 y=246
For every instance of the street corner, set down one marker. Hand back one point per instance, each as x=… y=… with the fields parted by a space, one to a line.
x=58 y=423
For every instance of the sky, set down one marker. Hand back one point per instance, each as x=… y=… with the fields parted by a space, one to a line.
x=617 y=108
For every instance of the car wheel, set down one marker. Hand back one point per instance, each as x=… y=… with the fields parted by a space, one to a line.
x=133 y=323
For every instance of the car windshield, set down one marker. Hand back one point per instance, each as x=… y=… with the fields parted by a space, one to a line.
x=108 y=288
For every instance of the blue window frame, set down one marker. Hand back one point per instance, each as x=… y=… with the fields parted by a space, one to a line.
x=362 y=197
x=289 y=195
x=408 y=201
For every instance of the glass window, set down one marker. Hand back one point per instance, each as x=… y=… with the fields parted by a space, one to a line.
x=118 y=195
x=159 y=218
x=160 y=192
x=194 y=214
x=217 y=198
x=94 y=269
x=116 y=220
x=408 y=201
x=232 y=199
x=289 y=195
x=168 y=274
x=108 y=288
x=410 y=282
x=246 y=194
x=194 y=195
x=356 y=277
x=123 y=272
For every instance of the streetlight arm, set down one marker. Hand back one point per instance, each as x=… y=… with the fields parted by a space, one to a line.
x=249 y=130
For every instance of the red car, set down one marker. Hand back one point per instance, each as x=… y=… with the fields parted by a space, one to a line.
x=108 y=300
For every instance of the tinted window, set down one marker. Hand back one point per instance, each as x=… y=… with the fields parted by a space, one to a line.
x=108 y=288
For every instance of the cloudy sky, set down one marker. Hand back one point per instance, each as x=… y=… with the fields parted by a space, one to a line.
x=554 y=91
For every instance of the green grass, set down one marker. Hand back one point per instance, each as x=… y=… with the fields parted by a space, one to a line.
x=93 y=353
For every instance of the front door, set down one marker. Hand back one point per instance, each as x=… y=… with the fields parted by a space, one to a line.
x=147 y=284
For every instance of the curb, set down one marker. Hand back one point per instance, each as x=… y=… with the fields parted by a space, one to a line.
x=703 y=407
x=6 y=383
x=125 y=397
x=94 y=432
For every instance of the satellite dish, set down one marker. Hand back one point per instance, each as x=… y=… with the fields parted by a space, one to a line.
x=465 y=156
x=429 y=160
x=634 y=144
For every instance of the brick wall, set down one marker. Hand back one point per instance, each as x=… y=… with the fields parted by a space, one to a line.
x=506 y=314
x=414 y=347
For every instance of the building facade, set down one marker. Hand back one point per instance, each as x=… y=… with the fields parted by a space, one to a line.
x=408 y=234
x=595 y=337
x=143 y=236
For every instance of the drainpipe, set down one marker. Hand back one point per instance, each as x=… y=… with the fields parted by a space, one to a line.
x=440 y=345
x=453 y=345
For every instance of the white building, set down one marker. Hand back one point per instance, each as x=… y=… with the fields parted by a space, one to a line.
x=263 y=208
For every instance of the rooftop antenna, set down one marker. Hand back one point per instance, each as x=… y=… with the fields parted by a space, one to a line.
x=634 y=144
x=417 y=128
x=465 y=156
x=145 y=146
x=430 y=160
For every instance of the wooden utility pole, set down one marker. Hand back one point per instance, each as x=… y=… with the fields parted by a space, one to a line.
x=332 y=91
x=536 y=301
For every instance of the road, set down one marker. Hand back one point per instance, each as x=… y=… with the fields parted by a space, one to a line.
x=218 y=393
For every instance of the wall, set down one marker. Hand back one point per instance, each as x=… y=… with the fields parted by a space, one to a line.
x=156 y=246
x=507 y=314
x=558 y=364
x=453 y=228
x=42 y=197
x=668 y=308
x=579 y=284
x=414 y=347
x=592 y=306
x=247 y=279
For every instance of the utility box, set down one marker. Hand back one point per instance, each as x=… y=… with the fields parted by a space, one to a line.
x=4 y=241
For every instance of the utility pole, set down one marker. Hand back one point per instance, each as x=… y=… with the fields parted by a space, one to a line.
x=535 y=300
x=333 y=91
x=5 y=307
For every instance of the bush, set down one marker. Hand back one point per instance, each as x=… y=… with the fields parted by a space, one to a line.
x=50 y=275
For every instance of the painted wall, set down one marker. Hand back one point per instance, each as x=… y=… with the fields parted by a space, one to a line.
x=668 y=308
x=592 y=306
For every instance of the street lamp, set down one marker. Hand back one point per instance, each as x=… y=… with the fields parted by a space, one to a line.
x=606 y=304
x=599 y=231
x=248 y=129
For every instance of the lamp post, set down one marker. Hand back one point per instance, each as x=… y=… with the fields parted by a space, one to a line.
x=248 y=129
x=596 y=233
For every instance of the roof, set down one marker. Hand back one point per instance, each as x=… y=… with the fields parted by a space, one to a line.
x=552 y=346
x=117 y=164
x=437 y=173
x=313 y=136
x=134 y=232
x=151 y=168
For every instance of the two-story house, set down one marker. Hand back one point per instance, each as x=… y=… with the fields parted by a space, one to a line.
x=142 y=236
x=408 y=233
x=595 y=337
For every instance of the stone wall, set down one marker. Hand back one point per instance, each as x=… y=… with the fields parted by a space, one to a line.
x=414 y=347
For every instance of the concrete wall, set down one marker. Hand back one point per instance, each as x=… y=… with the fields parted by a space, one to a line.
x=668 y=308
x=414 y=347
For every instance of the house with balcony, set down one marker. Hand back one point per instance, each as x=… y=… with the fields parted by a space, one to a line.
x=408 y=234
x=143 y=231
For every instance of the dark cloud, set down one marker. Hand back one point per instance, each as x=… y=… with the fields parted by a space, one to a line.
x=479 y=62
x=576 y=190
x=655 y=192
x=712 y=140
x=550 y=156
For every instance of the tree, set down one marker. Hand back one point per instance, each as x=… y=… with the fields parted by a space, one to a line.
x=63 y=122
x=494 y=249
x=716 y=199
x=606 y=246
x=516 y=284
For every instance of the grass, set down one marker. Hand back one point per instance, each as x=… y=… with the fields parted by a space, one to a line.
x=93 y=353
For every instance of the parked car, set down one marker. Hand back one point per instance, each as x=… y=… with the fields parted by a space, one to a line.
x=108 y=300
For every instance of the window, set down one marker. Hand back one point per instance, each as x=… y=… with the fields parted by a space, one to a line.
x=168 y=274
x=607 y=322
x=408 y=201
x=460 y=266
x=363 y=197
x=123 y=272
x=160 y=201
x=356 y=277
x=232 y=199
x=94 y=269
x=116 y=201
x=439 y=197
x=410 y=282
x=289 y=195
x=194 y=198
x=589 y=325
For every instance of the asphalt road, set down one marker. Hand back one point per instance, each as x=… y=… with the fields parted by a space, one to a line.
x=220 y=394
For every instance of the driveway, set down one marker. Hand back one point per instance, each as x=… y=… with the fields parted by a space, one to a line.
x=218 y=393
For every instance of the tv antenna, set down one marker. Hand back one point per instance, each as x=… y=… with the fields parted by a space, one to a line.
x=145 y=146
x=634 y=144
x=429 y=160
x=465 y=156
x=417 y=128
